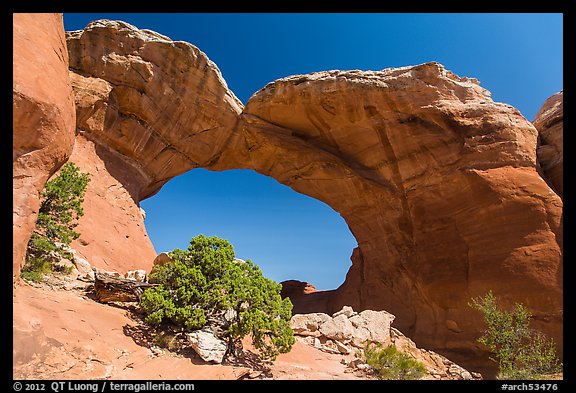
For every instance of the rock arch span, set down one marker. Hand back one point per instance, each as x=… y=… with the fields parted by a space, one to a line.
x=437 y=182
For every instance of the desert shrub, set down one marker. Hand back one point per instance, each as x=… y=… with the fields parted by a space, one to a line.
x=60 y=207
x=389 y=363
x=204 y=284
x=521 y=352
x=166 y=340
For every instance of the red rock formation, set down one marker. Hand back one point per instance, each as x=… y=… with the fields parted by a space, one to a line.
x=294 y=288
x=549 y=122
x=305 y=297
x=43 y=118
x=436 y=181
x=147 y=111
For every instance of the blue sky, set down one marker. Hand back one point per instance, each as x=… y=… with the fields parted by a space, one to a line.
x=518 y=57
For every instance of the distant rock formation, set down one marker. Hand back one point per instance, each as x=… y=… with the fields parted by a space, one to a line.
x=438 y=183
x=295 y=288
x=549 y=122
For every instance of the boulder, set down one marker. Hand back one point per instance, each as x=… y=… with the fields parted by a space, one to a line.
x=294 y=288
x=308 y=324
x=137 y=275
x=346 y=310
x=83 y=267
x=337 y=328
x=209 y=347
x=342 y=348
x=162 y=259
x=372 y=325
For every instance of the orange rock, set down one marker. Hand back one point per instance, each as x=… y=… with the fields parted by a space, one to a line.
x=549 y=122
x=43 y=118
x=148 y=111
x=437 y=182
x=295 y=288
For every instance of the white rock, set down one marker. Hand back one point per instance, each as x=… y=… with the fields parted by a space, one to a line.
x=209 y=347
x=346 y=310
x=342 y=348
x=110 y=273
x=375 y=324
x=308 y=324
x=339 y=328
x=82 y=265
x=137 y=275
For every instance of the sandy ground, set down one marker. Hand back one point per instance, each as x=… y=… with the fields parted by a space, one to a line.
x=63 y=334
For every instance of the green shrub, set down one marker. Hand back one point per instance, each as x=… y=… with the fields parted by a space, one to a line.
x=389 y=363
x=521 y=353
x=60 y=207
x=166 y=340
x=204 y=283
x=35 y=269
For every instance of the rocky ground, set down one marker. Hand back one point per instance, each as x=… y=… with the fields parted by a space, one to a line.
x=60 y=332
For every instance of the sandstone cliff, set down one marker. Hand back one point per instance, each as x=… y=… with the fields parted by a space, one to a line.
x=43 y=120
x=148 y=109
x=550 y=124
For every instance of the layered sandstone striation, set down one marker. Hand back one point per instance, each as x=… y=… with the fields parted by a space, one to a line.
x=438 y=183
x=148 y=109
x=549 y=122
x=43 y=118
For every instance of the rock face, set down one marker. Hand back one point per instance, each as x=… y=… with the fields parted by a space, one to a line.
x=549 y=122
x=438 y=183
x=148 y=110
x=43 y=118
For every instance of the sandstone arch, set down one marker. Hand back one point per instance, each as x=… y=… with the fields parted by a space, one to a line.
x=437 y=182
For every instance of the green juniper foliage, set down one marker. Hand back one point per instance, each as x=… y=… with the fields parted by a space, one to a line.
x=521 y=353
x=204 y=282
x=389 y=363
x=60 y=207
